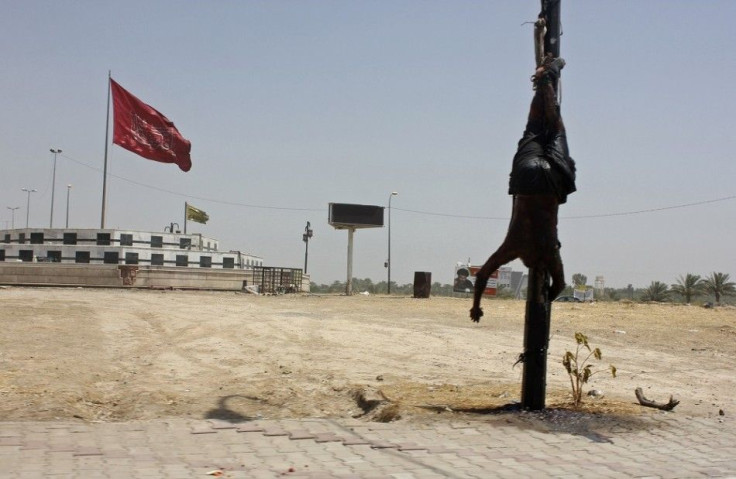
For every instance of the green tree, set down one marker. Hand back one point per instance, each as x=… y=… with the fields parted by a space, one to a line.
x=688 y=286
x=579 y=279
x=363 y=285
x=611 y=294
x=405 y=289
x=657 y=291
x=718 y=285
x=439 y=289
x=336 y=287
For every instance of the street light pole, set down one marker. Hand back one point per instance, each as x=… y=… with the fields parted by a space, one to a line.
x=68 y=189
x=308 y=233
x=28 y=202
x=12 y=215
x=53 y=186
x=388 y=263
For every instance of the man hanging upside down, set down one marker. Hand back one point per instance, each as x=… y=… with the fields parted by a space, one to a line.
x=542 y=175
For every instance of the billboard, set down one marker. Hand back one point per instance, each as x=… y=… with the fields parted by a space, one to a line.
x=464 y=281
x=344 y=215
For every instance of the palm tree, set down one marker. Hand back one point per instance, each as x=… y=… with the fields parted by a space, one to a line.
x=579 y=279
x=689 y=286
x=657 y=291
x=718 y=285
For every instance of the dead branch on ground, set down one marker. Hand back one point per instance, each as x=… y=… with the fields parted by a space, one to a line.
x=657 y=405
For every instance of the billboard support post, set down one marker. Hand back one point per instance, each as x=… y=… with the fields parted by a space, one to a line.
x=349 y=283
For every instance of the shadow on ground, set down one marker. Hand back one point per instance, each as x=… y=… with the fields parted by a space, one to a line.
x=595 y=425
x=227 y=405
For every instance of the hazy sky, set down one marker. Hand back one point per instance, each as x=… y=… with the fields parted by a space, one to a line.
x=291 y=105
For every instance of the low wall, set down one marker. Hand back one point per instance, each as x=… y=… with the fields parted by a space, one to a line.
x=199 y=278
x=124 y=276
x=60 y=274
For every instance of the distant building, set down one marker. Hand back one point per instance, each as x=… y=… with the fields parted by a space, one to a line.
x=505 y=276
x=519 y=283
x=600 y=284
x=112 y=246
x=139 y=259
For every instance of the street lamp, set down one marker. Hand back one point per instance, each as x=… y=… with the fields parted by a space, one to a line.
x=53 y=186
x=12 y=215
x=305 y=237
x=28 y=202
x=68 y=189
x=388 y=263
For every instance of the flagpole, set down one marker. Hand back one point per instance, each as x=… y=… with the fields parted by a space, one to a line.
x=107 y=138
x=185 y=217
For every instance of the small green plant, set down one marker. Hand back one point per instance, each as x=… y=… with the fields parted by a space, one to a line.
x=580 y=371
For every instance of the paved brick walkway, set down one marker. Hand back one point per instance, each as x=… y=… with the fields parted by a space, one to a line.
x=664 y=445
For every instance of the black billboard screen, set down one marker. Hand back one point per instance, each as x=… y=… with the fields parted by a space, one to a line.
x=359 y=216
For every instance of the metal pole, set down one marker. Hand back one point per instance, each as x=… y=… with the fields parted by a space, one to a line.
x=305 y=237
x=538 y=307
x=388 y=284
x=551 y=11
x=388 y=263
x=68 y=189
x=28 y=202
x=104 y=171
x=12 y=215
x=28 y=207
x=53 y=186
x=536 y=341
x=306 y=255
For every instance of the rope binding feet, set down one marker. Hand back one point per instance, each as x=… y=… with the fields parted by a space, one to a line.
x=549 y=71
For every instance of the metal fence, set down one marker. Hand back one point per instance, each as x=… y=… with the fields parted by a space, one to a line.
x=273 y=280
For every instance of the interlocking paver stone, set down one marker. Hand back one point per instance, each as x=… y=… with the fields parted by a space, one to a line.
x=666 y=446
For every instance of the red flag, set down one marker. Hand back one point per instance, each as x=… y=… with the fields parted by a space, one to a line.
x=142 y=129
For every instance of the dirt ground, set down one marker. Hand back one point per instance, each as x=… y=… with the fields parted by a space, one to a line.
x=116 y=355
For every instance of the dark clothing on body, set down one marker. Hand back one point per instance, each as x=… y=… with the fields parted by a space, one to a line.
x=542 y=166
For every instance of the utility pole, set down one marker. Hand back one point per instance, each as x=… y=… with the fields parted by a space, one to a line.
x=388 y=263
x=538 y=306
x=28 y=202
x=308 y=233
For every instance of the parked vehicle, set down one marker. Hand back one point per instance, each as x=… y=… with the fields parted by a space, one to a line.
x=567 y=299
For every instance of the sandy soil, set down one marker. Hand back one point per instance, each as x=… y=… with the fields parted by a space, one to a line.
x=114 y=355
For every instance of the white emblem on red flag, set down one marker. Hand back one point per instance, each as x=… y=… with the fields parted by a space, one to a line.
x=140 y=128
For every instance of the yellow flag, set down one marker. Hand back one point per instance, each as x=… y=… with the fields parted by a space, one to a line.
x=196 y=215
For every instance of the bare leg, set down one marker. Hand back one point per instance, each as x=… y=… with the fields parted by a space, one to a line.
x=554 y=124
x=537 y=114
x=544 y=217
x=544 y=78
x=552 y=117
x=556 y=270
